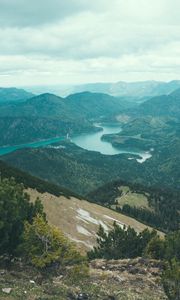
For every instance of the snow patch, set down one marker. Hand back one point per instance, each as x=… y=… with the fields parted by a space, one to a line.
x=106 y=228
x=81 y=219
x=85 y=216
x=81 y=242
x=117 y=221
x=83 y=230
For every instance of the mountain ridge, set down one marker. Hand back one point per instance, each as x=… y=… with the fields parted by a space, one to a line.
x=14 y=94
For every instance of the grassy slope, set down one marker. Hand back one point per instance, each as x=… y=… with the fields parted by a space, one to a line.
x=79 y=219
x=132 y=198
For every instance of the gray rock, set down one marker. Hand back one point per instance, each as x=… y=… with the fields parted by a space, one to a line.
x=82 y=296
x=6 y=290
x=32 y=281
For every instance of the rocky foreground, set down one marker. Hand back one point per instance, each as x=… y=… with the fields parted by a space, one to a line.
x=108 y=280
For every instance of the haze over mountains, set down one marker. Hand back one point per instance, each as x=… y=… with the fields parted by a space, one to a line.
x=134 y=90
x=13 y=94
x=151 y=126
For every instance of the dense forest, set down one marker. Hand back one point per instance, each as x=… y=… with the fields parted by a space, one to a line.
x=164 y=204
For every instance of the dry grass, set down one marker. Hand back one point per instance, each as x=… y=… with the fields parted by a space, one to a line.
x=80 y=219
x=132 y=199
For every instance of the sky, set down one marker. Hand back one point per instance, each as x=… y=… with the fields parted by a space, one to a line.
x=54 y=42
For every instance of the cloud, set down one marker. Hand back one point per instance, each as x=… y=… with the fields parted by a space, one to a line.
x=22 y=13
x=79 y=40
x=76 y=38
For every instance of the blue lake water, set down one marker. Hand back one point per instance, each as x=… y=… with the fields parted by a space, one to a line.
x=93 y=142
x=88 y=141
x=9 y=149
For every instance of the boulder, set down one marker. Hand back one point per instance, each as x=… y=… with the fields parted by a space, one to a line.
x=7 y=290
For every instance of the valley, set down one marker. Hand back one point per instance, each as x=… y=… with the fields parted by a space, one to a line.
x=103 y=176
x=47 y=116
x=89 y=150
x=114 y=141
x=88 y=141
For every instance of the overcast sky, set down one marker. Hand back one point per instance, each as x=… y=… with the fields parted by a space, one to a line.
x=77 y=41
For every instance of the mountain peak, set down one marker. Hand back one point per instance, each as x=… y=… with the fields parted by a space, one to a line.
x=45 y=98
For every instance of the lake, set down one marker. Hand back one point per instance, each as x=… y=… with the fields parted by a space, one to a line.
x=93 y=142
x=9 y=149
x=88 y=141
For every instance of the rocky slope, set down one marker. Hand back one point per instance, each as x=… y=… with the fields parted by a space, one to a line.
x=136 y=279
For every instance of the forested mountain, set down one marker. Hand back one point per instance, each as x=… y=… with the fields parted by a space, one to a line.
x=149 y=128
x=84 y=172
x=33 y=182
x=155 y=126
x=47 y=116
x=13 y=94
x=166 y=105
x=90 y=105
x=121 y=191
x=97 y=105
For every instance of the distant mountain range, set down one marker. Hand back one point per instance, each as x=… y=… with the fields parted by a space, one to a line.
x=137 y=91
x=13 y=94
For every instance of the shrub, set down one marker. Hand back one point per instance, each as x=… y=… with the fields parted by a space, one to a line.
x=171 y=280
x=45 y=245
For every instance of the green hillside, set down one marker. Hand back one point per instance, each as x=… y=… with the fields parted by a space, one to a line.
x=29 y=181
x=13 y=94
x=46 y=116
x=165 y=105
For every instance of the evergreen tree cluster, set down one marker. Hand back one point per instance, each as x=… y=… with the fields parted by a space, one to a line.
x=168 y=250
x=124 y=242
x=121 y=243
x=164 y=203
x=15 y=209
x=165 y=218
x=25 y=232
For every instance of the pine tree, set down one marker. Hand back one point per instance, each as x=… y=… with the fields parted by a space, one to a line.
x=44 y=245
x=15 y=208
